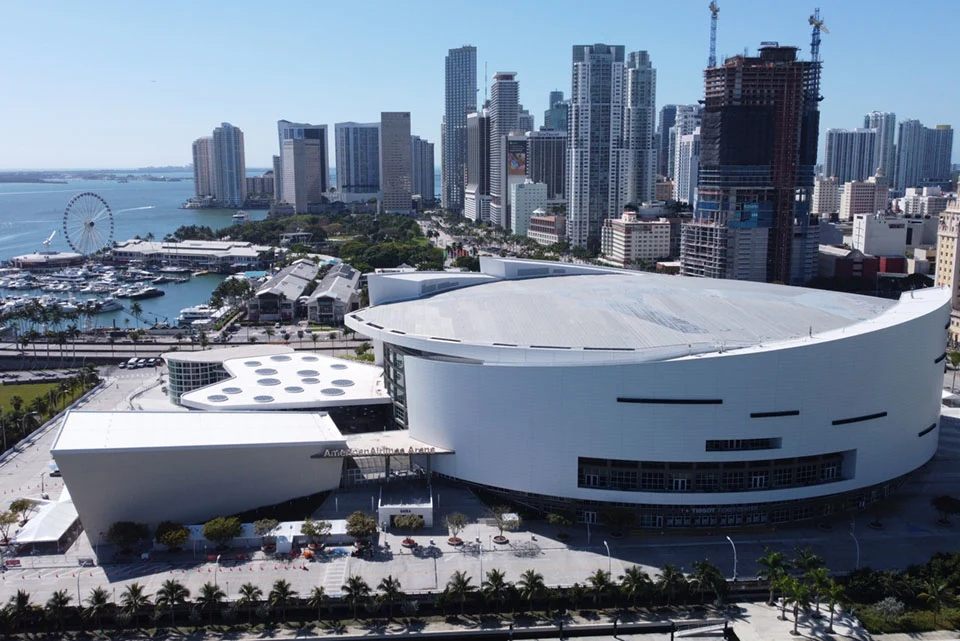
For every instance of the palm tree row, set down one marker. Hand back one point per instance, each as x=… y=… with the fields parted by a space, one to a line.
x=801 y=581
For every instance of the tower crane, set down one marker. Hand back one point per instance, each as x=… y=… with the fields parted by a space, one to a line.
x=714 y=12
x=816 y=22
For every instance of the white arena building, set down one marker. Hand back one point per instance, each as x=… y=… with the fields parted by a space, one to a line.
x=695 y=402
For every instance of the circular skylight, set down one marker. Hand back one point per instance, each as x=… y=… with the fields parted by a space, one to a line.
x=217 y=398
x=332 y=391
x=293 y=389
x=342 y=382
x=253 y=363
x=310 y=359
x=310 y=381
x=269 y=381
x=232 y=390
x=266 y=371
x=280 y=358
x=338 y=366
x=308 y=372
x=263 y=399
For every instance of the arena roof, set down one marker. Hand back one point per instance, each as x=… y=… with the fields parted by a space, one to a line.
x=222 y=354
x=123 y=431
x=617 y=310
x=290 y=381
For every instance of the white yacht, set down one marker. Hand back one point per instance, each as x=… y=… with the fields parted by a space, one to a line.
x=199 y=312
x=241 y=217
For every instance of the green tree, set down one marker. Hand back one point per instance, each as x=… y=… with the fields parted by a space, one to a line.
x=805 y=559
x=936 y=592
x=264 y=528
x=953 y=357
x=133 y=600
x=209 y=598
x=315 y=531
x=670 y=581
x=250 y=595
x=97 y=603
x=57 y=606
x=390 y=592
x=506 y=518
x=456 y=522
x=355 y=592
x=172 y=535
x=281 y=594
x=126 y=534
x=600 y=583
x=7 y=521
x=576 y=594
x=495 y=587
x=530 y=586
x=22 y=508
x=460 y=586
x=818 y=580
x=798 y=594
x=707 y=577
x=318 y=597
x=19 y=608
x=221 y=530
x=171 y=595
x=634 y=582
x=136 y=310
x=361 y=526
x=835 y=595
x=562 y=521
x=773 y=566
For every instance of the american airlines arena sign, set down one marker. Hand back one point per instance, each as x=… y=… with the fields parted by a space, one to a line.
x=377 y=451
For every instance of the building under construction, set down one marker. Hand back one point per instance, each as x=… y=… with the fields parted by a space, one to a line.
x=758 y=148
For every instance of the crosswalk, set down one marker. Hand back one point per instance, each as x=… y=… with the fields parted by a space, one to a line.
x=336 y=575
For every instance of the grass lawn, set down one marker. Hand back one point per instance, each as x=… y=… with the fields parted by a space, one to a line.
x=26 y=392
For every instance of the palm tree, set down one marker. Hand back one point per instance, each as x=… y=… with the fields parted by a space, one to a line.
x=314 y=337
x=530 y=586
x=250 y=595
x=818 y=580
x=97 y=603
x=136 y=309
x=269 y=332
x=707 y=576
x=171 y=595
x=280 y=596
x=798 y=594
x=210 y=597
x=355 y=592
x=57 y=604
x=835 y=595
x=133 y=600
x=805 y=559
x=634 y=582
x=317 y=598
x=390 y=592
x=670 y=580
x=954 y=359
x=495 y=587
x=773 y=566
x=459 y=585
x=785 y=585
x=17 y=402
x=599 y=584
x=936 y=592
x=19 y=607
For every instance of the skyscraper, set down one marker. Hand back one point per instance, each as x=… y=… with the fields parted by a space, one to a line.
x=758 y=148
x=525 y=120
x=421 y=168
x=229 y=166
x=555 y=117
x=203 y=166
x=687 y=168
x=668 y=116
x=686 y=121
x=937 y=156
x=851 y=154
x=547 y=161
x=306 y=182
x=923 y=155
x=640 y=82
x=886 y=125
x=358 y=157
x=277 y=176
x=595 y=167
x=395 y=162
x=477 y=200
x=504 y=113
x=460 y=99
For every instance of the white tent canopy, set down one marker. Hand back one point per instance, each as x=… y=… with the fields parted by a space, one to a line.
x=49 y=524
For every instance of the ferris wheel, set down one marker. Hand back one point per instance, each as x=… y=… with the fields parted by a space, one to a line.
x=88 y=223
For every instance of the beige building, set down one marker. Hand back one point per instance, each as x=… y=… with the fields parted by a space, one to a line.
x=627 y=239
x=395 y=161
x=826 y=196
x=547 y=229
x=948 y=267
x=863 y=197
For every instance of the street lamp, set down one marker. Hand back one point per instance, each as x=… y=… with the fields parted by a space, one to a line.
x=216 y=570
x=42 y=489
x=609 y=559
x=857 y=543
x=733 y=545
x=23 y=421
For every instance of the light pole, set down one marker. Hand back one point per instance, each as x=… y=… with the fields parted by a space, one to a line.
x=609 y=559
x=857 y=543
x=734 y=546
x=216 y=570
x=42 y=492
x=23 y=422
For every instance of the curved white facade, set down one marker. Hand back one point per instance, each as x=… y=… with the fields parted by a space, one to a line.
x=833 y=416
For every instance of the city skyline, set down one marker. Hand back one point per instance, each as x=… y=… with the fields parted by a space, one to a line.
x=89 y=98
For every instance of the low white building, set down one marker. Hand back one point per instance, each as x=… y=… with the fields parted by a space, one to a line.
x=879 y=235
x=276 y=300
x=923 y=201
x=335 y=295
x=626 y=240
x=526 y=198
x=202 y=254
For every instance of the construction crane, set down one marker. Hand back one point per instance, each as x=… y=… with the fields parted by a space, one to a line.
x=714 y=12
x=817 y=23
x=49 y=239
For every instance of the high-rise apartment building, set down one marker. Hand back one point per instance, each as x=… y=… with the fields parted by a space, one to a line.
x=395 y=162
x=358 y=157
x=460 y=99
x=639 y=123
x=687 y=168
x=826 y=195
x=556 y=116
x=923 y=155
x=229 y=166
x=686 y=120
x=526 y=198
x=477 y=199
x=277 y=177
x=597 y=168
x=758 y=149
x=547 y=161
x=421 y=168
x=668 y=116
x=203 y=167
x=937 y=156
x=851 y=154
x=886 y=125
x=525 y=120
x=504 y=111
x=304 y=166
